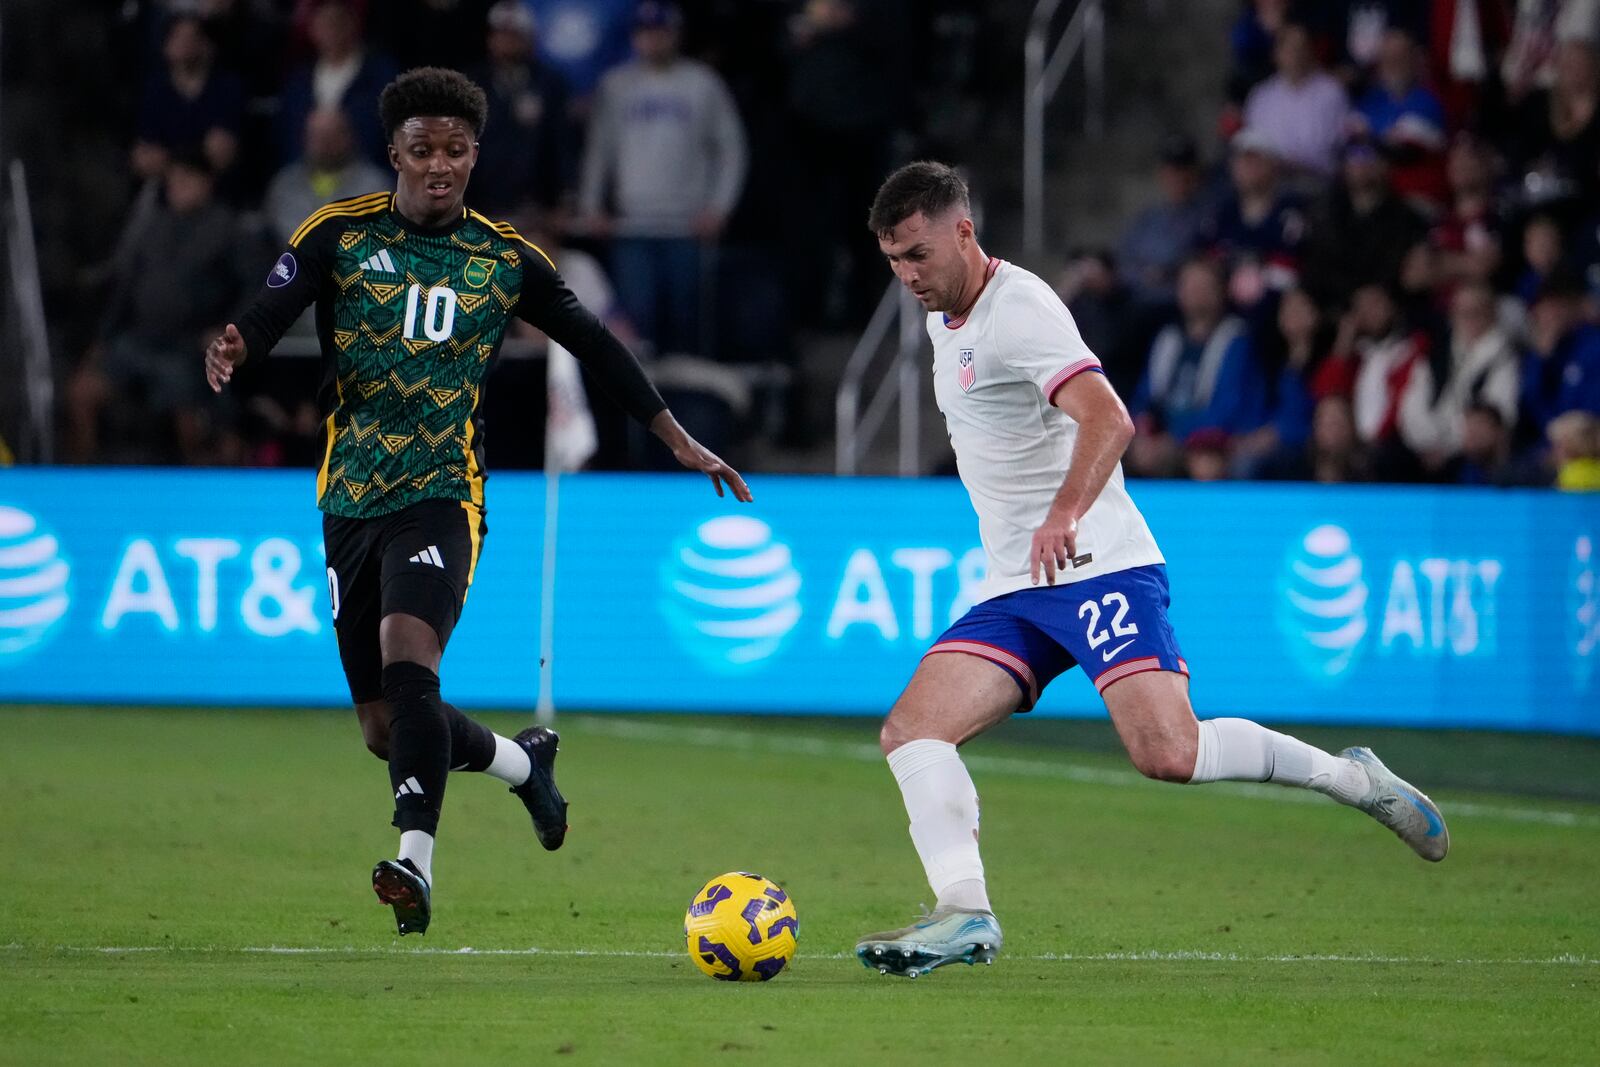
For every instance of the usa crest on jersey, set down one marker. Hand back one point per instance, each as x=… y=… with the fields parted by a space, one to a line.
x=967 y=374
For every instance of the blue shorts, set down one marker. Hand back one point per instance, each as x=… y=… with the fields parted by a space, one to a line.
x=1114 y=625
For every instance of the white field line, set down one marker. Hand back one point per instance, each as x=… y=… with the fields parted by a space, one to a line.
x=800 y=745
x=1147 y=956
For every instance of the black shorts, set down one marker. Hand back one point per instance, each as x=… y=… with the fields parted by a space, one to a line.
x=418 y=561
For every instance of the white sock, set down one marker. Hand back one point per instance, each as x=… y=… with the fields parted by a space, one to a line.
x=943 y=805
x=510 y=764
x=1240 y=750
x=417 y=846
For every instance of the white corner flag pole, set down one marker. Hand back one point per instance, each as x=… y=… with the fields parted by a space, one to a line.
x=545 y=709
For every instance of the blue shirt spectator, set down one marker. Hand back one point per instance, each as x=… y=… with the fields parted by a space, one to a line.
x=584 y=38
x=1561 y=370
x=1415 y=111
x=344 y=75
x=1566 y=378
x=1202 y=372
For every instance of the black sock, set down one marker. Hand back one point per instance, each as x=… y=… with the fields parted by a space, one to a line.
x=419 y=745
x=472 y=744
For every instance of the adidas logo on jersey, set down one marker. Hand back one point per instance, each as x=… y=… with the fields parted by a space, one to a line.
x=380 y=262
x=429 y=555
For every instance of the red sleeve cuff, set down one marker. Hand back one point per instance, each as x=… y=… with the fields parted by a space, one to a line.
x=1067 y=373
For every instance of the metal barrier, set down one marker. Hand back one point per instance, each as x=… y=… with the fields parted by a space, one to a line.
x=1044 y=67
x=898 y=311
x=37 y=443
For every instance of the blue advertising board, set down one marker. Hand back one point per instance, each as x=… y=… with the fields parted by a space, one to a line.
x=1406 y=606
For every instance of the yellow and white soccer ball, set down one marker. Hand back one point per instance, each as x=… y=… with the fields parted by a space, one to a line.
x=741 y=927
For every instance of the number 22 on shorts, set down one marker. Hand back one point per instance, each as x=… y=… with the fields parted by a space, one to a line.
x=1119 y=625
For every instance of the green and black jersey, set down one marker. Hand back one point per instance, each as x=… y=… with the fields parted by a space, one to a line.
x=410 y=321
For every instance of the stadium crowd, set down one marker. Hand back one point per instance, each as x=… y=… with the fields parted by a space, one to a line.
x=617 y=129
x=1391 y=273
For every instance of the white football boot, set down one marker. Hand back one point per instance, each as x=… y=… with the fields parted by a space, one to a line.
x=1402 y=807
x=946 y=935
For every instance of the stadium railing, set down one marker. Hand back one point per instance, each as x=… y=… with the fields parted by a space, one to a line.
x=1045 y=65
x=898 y=312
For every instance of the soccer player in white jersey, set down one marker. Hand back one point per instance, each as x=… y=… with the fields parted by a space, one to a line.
x=1074 y=579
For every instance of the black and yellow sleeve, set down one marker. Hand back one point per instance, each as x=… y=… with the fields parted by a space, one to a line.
x=548 y=304
x=302 y=274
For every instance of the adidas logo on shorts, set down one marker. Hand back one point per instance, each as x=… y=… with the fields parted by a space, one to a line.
x=430 y=556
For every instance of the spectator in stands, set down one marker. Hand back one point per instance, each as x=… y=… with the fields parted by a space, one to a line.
x=584 y=39
x=1334 y=454
x=1541 y=25
x=1375 y=355
x=345 y=74
x=1543 y=255
x=189 y=270
x=1202 y=374
x=1355 y=29
x=1463 y=41
x=1301 y=110
x=1423 y=296
x=1107 y=315
x=1258 y=228
x=1297 y=346
x=1485 y=457
x=1405 y=119
x=1163 y=235
x=844 y=104
x=1561 y=371
x=667 y=149
x=189 y=105
x=530 y=160
x=1205 y=455
x=1468 y=233
x=328 y=169
x=1251 y=40
x=1575 y=451
x=1555 y=139
x=1361 y=232
x=1478 y=365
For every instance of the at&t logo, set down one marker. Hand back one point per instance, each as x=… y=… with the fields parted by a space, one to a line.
x=732 y=591
x=33 y=582
x=1324 y=607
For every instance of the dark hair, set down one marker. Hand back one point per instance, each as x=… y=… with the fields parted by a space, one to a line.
x=925 y=186
x=432 y=92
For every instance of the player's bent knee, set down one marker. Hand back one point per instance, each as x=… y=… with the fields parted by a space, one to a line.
x=374 y=720
x=1163 y=763
x=890 y=737
x=376 y=735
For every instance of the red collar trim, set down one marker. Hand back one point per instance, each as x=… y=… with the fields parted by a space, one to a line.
x=956 y=324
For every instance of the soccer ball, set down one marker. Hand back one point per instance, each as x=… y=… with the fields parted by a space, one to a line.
x=741 y=928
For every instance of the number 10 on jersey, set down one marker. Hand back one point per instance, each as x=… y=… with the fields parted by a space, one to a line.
x=438 y=316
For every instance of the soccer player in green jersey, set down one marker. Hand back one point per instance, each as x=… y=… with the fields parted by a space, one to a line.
x=414 y=292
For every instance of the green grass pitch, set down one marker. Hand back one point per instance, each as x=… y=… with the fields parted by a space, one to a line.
x=191 y=887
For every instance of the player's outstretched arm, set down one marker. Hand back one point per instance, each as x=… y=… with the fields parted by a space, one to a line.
x=222 y=355
x=1104 y=430
x=696 y=457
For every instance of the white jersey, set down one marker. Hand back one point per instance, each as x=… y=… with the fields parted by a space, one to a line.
x=994 y=372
